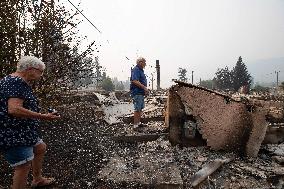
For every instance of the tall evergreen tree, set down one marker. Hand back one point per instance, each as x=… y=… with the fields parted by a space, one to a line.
x=241 y=77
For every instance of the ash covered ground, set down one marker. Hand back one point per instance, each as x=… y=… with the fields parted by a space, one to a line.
x=82 y=153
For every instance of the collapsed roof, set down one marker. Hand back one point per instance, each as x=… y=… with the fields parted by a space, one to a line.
x=198 y=115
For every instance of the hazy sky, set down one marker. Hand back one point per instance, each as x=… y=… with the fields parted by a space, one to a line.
x=199 y=35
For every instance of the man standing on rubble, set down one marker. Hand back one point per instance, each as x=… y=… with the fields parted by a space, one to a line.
x=138 y=88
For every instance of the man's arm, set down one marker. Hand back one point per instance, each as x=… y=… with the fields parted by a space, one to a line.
x=15 y=108
x=138 y=84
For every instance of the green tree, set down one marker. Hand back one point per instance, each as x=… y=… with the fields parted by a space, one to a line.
x=84 y=77
x=98 y=72
x=119 y=86
x=47 y=30
x=8 y=39
x=104 y=76
x=107 y=84
x=233 y=80
x=259 y=88
x=182 y=74
x=223 y=78
x=209 y=84
x=241 y=77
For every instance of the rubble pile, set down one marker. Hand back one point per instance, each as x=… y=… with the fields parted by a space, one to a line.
x=153 y=165
x=154 y=111
x=261 y=172
x=74 y=149
x=92 y=147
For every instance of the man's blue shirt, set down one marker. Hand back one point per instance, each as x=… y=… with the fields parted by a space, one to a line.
x=17 y=131
x=137 y=73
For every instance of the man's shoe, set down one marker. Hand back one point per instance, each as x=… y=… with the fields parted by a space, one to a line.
x=137 y=128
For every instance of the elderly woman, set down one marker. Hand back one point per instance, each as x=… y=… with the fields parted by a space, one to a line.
x=20 y=142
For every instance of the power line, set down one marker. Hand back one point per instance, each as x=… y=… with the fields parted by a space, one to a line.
x=83 y=15
x=93 y=24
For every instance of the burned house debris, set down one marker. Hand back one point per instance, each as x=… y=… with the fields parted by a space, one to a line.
x=96 y=147
x=198 y=116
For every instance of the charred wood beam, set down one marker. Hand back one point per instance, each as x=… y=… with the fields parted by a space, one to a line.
x=143 y=120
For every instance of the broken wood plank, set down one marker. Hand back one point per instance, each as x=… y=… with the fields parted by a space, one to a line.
x=143 y=119
x=208 y=170
x=258 y=132
x=278 y=159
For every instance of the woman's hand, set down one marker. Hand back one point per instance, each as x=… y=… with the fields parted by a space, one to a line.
x=50 y=116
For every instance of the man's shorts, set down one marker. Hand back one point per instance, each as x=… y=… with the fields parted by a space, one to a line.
x=138 y=101
x=20 y=155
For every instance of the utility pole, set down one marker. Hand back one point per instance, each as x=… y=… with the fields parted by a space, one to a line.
x=277 y=78
x=152 y=81
x=192 y=77
x=158 y=74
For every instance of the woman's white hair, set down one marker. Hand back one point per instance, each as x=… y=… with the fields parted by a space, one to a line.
x=140 y=59
x=26 y=62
